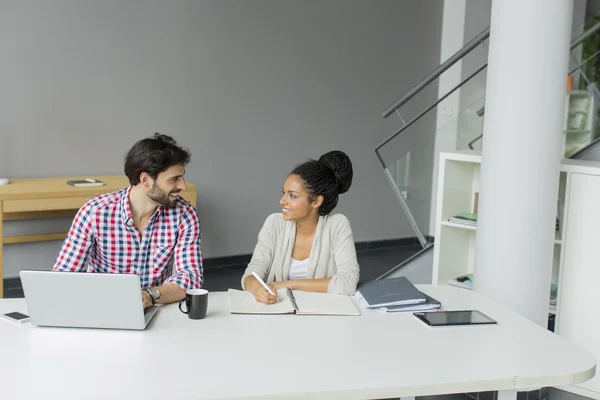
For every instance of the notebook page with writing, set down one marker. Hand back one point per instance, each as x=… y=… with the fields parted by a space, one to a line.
x=324 y=303
x=242 y=302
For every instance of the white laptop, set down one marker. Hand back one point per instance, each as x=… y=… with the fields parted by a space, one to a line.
x=85 y=300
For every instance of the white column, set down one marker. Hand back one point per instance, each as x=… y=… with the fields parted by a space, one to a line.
x=524 y=111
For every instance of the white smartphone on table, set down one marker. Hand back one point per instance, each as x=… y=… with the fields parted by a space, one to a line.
x=15 y=317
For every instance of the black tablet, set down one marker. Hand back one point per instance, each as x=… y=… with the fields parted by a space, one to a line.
x=448 y=318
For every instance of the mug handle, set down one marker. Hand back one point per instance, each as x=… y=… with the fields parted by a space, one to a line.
x=186 y=305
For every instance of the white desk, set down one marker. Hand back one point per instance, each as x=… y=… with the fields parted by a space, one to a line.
x=287 y=356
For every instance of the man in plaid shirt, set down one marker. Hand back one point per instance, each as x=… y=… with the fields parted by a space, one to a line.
x=145 y=229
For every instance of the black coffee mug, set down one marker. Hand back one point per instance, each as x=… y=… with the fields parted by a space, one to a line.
x=196 y=303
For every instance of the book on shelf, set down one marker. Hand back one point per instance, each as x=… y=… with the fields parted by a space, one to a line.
x=389 y=292
x=429 y=304
x=85 y=182
x=464 y=219
x=293 y=302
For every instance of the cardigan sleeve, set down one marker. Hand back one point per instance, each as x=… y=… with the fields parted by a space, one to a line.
x=263 y=252
x=347 y=272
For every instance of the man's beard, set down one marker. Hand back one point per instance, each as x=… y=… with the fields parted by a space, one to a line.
x=161 y=197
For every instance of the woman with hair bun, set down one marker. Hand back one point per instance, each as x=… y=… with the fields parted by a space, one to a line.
x=305 y=247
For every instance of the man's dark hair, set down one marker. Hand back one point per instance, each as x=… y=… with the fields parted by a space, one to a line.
x=153 y=156
x=329 y=176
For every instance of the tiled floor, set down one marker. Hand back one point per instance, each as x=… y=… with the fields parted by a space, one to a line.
x=373 y=263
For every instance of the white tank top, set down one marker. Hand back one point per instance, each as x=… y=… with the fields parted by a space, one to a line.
x=298 y=269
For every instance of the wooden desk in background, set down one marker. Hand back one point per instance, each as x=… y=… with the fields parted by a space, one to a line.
x=42 y=198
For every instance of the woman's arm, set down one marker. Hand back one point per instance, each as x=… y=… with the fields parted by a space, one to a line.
x=308 y=285
x=261 y=261
x=347 y=272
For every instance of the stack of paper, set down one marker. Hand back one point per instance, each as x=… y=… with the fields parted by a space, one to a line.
x=429 y=304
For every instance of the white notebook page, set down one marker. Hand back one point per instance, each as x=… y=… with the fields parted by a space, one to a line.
x=242 y=302
x=324 y=303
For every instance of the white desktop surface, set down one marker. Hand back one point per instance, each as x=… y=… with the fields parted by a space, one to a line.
x=287 y=356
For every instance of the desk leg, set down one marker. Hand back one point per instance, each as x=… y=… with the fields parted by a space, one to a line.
x=507 y=394
x=1 y=243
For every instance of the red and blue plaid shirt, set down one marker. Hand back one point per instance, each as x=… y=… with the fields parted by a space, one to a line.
x=103 y=238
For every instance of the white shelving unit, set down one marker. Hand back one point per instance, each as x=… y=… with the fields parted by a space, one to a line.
x=575 y=268
x=454 y=250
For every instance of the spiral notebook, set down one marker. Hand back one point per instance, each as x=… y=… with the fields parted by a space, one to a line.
x=293 y=302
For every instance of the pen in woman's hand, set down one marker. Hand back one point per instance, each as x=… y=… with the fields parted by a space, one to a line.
x=259 y=279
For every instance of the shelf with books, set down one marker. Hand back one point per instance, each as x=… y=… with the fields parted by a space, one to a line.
x=459 y=226
x=457 y=197
x=456 y=215
x=459 y=190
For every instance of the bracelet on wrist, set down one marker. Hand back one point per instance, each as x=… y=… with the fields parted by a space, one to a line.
x=147 y=290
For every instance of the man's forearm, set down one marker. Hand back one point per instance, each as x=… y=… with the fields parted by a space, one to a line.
x=170 y=293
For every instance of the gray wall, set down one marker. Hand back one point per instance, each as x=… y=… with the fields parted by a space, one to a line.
x=250 y=87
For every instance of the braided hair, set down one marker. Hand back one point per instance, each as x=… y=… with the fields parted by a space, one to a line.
x=329 y=176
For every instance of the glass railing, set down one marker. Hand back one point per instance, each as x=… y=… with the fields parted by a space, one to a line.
x=450 y=125
x=455 y=123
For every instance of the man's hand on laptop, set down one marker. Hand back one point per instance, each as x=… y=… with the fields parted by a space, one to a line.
x=146 y=299
x=168 y=293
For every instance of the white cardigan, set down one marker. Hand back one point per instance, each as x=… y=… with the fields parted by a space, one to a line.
x=332 y=254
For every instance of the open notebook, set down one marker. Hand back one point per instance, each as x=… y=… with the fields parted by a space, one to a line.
x=293 y=301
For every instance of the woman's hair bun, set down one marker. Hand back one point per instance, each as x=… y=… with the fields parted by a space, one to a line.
x=341 y=166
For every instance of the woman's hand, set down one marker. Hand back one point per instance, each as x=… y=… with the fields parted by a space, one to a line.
x=263 y=296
